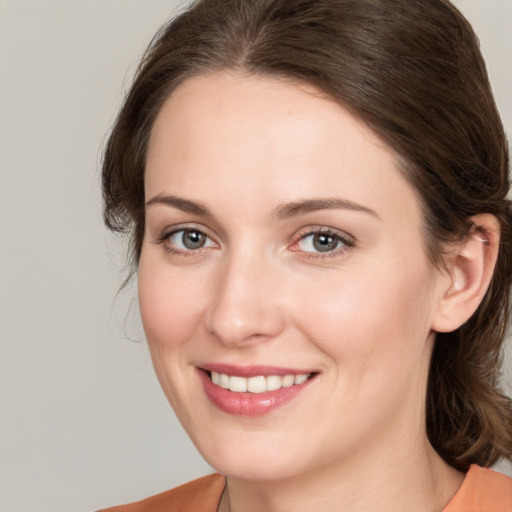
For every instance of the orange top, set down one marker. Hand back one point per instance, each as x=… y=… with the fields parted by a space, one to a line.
x=202 y=495
x=483 y=490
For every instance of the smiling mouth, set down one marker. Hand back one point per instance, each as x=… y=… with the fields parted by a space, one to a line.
x=252 y=390
x=258 y=383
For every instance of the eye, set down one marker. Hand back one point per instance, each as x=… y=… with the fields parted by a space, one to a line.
x=323 y=242
x=319 y=242
x=185 y=240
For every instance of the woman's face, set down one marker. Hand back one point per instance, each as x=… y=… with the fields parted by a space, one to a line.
x=283 y=252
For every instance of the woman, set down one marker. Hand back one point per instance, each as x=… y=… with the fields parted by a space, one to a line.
x=317 y=197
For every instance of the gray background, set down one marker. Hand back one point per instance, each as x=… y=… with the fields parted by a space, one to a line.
x=83 y=422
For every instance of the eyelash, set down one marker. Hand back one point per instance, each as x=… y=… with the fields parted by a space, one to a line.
x=165 y=238
x=346 y=241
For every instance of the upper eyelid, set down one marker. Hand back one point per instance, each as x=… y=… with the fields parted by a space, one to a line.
x=300 y=234
x=163 y=220
x=186 y=227
x=311 y=230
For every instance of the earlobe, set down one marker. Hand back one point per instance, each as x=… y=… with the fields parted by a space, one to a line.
x=470 y=267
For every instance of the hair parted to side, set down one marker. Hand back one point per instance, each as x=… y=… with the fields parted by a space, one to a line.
x=413 y=72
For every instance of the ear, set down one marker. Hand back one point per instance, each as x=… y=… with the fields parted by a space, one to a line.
x=470 y=267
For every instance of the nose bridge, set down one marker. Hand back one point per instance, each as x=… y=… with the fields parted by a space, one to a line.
x=245 y=307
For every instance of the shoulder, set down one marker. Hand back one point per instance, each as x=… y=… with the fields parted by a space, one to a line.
x=483 y=490
x=201 y=495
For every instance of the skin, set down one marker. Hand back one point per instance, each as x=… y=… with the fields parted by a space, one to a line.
x=362 y=315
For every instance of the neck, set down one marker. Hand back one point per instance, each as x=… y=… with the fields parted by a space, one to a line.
x=412 y=478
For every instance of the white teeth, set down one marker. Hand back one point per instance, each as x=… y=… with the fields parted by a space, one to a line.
x=273 y=382
x=288 y=380
x=258 y=384
x=299 y=379
x=238 y=384
x=224 y=381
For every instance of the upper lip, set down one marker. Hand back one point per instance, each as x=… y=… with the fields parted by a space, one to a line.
x=252 y=370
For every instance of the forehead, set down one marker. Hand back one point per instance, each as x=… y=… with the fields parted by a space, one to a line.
x=246 y=137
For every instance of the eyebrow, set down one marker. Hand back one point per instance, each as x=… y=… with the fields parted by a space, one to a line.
x=298 y=208
x=181 y=204
x=282 y=212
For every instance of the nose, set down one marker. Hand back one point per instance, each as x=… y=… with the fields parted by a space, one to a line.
x=246 y=306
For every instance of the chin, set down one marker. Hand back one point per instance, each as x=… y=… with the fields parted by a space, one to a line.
x=261 y=470
x=256 y=461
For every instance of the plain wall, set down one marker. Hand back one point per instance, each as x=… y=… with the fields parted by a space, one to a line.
x=83 y=422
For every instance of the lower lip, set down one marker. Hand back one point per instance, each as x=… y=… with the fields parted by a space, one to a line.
x=249 y=404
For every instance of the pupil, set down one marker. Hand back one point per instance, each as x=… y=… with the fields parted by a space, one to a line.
x=193 y=239
x=324 y=243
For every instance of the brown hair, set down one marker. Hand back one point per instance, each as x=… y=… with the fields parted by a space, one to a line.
x=413 y=72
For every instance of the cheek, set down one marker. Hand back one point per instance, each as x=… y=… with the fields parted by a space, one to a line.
x=368 y=319
x=170 y=304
